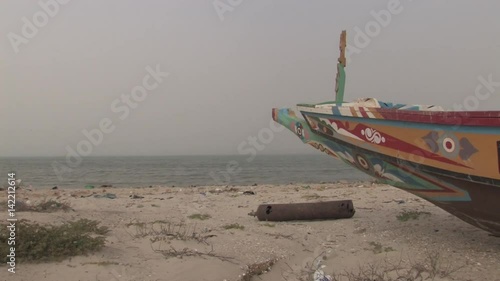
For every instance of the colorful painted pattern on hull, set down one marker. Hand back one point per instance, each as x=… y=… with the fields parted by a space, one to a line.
x=463 y=149
x=425 y=114
x=420 y=168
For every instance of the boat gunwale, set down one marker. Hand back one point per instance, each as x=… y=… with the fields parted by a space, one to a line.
x=466 y=118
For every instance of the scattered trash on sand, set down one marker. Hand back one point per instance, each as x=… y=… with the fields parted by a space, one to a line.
x=107 y=195
x=319 y=275
x=133 y=196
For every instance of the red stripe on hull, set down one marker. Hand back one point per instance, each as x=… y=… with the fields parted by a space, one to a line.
x=363 y=112
x=393 y=142
x=466 y=118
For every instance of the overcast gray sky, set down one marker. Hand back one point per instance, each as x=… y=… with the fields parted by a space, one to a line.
x=227 y=68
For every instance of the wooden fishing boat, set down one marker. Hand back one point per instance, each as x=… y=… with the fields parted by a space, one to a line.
x=450 y=158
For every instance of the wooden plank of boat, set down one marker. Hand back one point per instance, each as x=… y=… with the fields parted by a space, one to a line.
x=306 y=211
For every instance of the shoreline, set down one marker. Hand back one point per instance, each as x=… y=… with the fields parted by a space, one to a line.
x=374 y=236
x=146 y=186
x=183 y=171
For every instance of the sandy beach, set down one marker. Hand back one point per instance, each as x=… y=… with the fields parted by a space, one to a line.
x=207 y=233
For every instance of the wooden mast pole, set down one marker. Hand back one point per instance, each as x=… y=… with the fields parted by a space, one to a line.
x=342 y=63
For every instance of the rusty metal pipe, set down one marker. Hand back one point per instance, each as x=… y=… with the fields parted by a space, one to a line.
x=306 y=211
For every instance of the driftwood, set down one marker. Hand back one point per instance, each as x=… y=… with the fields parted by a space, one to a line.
x=306 y=211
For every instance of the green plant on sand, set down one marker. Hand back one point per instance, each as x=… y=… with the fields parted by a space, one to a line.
x=234 y=226
x=201 y=217
x=411 y=215
x=42 y=243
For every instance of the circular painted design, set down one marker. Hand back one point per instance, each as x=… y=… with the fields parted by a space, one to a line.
x=363 y=163
x=299 y=129
x=448 y=145
x=373 y=135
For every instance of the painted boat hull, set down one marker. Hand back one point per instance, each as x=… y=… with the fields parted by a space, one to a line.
x=454 y=167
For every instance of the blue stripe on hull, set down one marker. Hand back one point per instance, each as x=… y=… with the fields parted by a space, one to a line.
x=400 y=124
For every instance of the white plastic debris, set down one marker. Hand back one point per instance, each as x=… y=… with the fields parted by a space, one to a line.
x=319 y=275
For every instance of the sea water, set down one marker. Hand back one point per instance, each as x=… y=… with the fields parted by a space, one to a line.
x=136 y=171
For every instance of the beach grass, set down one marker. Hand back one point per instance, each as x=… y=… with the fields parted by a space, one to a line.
x=378 y=248
x=411 y=215
x=201 y=217
x=44 y=243
x=161 y=230
x=234 y=226
x=45 y=206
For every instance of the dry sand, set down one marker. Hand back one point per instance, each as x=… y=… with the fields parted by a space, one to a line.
x=373 y=237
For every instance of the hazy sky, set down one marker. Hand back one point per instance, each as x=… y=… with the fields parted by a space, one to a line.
x=225 y=75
